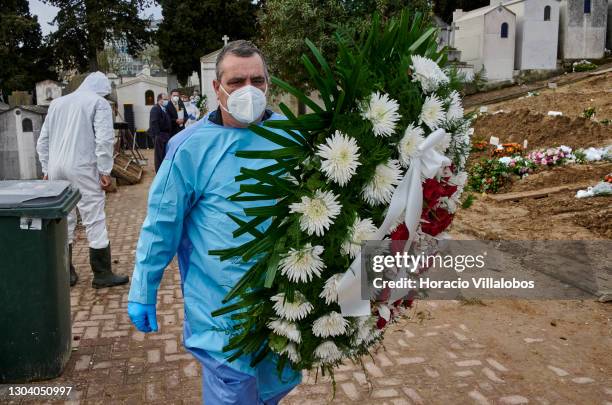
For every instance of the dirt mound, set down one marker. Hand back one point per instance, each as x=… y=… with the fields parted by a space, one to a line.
x=563 y=175
x=558 y=216
x=599 y=222
x=541 y=130
x=596 y=83
x=570 y=99
x=570 y=103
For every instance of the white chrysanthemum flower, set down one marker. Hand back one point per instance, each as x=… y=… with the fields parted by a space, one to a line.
x=339 y=157
x=317 y=212
x=409 y=145
x=328 y=352
x=302 y=264
x=432 y=113
x=444 y=143
x=332 y=324
x=428 y=73
x=362 y=229
x=294 y=310
x=291 y=351
x=286 y=329
x=455 y=108
x=382 y=113
x=366 y=330
x=380 y=188
x=330 y=289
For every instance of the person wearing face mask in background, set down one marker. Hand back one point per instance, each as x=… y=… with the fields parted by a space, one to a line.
x=187 y=216
x=160 y=128
x=176 y=111
x=191 y=110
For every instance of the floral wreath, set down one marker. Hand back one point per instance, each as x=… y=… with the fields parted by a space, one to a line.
x=335 y=178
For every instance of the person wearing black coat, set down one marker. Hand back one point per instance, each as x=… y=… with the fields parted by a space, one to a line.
x=160 y=128
x=176 y=108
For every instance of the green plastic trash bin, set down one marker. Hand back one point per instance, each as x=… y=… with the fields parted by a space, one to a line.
x=35 y=327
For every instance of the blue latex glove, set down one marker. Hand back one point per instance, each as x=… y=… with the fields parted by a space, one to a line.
x=143 y=316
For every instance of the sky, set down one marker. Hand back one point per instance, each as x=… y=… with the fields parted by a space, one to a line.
x=47 y=13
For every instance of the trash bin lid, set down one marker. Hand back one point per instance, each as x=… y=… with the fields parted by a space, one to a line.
x=37 y=198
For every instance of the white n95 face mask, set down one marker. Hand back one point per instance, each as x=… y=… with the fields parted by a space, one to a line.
x=245 y=104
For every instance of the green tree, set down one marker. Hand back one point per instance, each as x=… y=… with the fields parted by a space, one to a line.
x=23 y=58
x=150 y=55
x=444 y=8
x=109 y=60
x=86 y=26
x=284 y=24
x=193 y=28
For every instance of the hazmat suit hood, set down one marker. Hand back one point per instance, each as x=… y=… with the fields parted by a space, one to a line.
x=96 y=82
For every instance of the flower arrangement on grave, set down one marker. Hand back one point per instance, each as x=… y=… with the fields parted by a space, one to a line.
x=518 y=165
x=551 y=156
x=488 y=176
x=507 y=149
x=480 y=146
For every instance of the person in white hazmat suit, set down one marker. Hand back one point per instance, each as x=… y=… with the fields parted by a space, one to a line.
x=193 y=114
x=76 y=144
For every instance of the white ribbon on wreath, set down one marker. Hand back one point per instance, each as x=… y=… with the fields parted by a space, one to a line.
x=407 y=198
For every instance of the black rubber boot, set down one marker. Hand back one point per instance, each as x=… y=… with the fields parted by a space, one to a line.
x=73 y=275
x=100 y=261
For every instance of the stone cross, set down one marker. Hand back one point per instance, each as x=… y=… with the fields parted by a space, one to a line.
x=225 y=38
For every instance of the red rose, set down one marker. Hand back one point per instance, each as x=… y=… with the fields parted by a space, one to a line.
x=381 y=323
x=449 y=190
x=437 y=221
x=432 y=191
x=400 y=233
x=398 y=238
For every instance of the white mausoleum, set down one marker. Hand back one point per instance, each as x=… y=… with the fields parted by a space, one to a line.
x=207 y=67
x=537 y=33
x=136 y=97
x=19 y=131
x=486 y=38
x=582 y=30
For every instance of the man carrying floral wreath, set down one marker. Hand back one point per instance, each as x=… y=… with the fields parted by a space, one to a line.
x=187 y=215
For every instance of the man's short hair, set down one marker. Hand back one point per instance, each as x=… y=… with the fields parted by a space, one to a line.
x=160 y=96
x=241 y=48
x=175 y=91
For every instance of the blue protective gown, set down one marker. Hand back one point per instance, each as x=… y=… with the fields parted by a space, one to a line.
x=187 y=215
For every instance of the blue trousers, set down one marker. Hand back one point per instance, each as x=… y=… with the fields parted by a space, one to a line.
x=222 y=385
